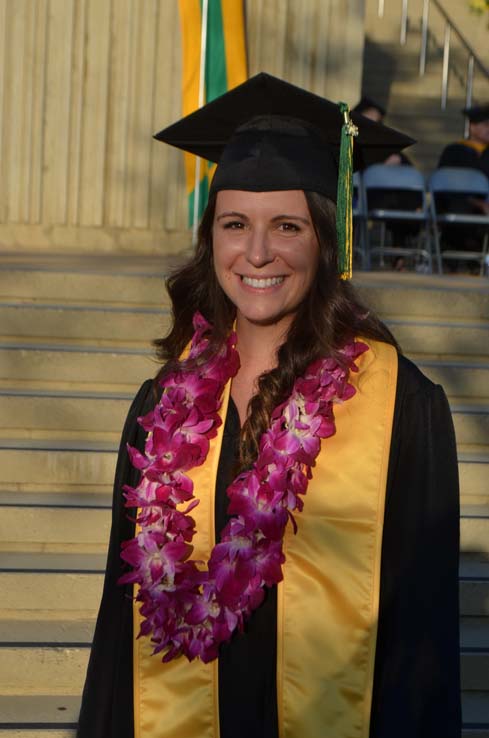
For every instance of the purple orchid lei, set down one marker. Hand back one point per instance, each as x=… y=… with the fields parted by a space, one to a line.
x=186 y=608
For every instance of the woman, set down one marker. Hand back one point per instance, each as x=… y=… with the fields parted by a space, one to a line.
x=324 y=466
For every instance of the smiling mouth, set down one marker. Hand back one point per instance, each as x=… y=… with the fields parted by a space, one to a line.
x=262 y=283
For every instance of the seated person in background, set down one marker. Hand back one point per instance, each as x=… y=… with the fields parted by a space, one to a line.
x=400 y=232
x=472 y=153
x=372 y=110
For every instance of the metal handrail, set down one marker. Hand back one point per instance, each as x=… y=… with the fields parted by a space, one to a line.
x=443 y=12
x=473 y=59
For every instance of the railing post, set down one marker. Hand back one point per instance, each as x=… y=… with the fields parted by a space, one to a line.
x=404 y=22
x=446 y=62
x=424 y=37
x=380 y=10
x=468 y=91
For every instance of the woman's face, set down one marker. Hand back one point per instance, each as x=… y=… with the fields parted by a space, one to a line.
x=265 y=252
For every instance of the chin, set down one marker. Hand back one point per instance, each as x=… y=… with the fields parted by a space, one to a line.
x=267 y=319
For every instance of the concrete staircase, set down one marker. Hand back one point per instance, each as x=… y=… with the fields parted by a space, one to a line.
x=74 y=346
x=391 y=73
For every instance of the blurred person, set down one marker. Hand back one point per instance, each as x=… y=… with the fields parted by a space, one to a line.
x=470 y=153
x=401 y=233
x=373 y=111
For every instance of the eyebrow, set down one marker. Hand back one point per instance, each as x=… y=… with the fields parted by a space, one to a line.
x=231 y=213
x=282 y=216
x=285 y=216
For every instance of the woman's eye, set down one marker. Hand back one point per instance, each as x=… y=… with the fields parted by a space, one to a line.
x=234 y=225
x=289 y=227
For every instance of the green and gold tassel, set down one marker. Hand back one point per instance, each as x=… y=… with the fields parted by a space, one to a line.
x=344 y=225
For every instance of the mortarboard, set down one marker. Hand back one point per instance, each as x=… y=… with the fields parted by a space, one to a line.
x=267 y=134
x=477 y=113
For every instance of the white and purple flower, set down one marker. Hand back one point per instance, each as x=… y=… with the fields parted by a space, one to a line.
x=187 y=609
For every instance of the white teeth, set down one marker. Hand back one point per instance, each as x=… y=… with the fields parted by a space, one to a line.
x=262 y=283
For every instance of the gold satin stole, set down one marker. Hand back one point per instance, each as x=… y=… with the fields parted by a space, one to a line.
x=328 y=602
x=476 y=145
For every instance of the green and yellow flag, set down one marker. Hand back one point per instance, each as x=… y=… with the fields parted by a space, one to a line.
x=224 y=68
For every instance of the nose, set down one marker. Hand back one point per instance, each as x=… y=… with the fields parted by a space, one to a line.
x=259 y=251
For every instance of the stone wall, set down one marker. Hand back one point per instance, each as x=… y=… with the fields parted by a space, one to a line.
x=84 y=84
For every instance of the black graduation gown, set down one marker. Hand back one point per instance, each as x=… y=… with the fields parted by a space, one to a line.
x=461 y=155
x=416 y=682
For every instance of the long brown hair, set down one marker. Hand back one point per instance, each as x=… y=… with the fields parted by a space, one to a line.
x=330 y=315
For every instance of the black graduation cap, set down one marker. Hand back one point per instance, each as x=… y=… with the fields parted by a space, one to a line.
x=477 y=113
x=267 y=134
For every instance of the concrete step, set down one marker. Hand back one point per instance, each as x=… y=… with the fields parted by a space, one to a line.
x=474 y=589
x=71 y=591
x=475 y=670
x=108 y=280
x=474 y=473
x=422 y=335
x=38 y=636
x=30 y=669
x=116 y=279
x=428 y=87
x=474 y=529
x=49 y=528
x=64 y=366
x=471 y=420
x=85 y=500
x=31 y=465
x=74 y=628
x=38 y=711
x=91 y=464
x=407 y=79
x=56 y=321
x=424 y=296
x=52 y=562
x=386 y=31
x=44 y=710
x=459 y=376
x=448 y=122
x=29 y=414
x=71 y=629
x=77 y=582
x=474 y=633
x=39 y=716
x=42 y=730
x=68 y=367
x=54 y=630
x=53 y=670
x=54 y=529
x=117 y=326
x=407 y=70
x=475 y=714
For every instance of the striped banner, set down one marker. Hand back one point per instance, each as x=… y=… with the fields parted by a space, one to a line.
x=225 y=67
